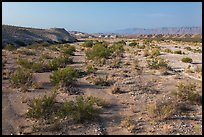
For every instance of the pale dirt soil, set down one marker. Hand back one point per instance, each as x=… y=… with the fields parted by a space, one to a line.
x=138 y=92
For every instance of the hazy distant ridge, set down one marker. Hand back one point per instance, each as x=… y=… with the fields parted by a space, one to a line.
x=163 y=30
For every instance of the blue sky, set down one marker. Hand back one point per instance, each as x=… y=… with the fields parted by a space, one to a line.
x=96 y=17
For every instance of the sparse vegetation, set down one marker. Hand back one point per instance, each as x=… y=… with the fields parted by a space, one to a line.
x=10 y=47
x=26 y=52
x=187 y=60
x=64 y=76
x=168 y=51
x=157 y=63
x=162 y=109
x=91 y=69
x=59 y=62
x=101 y=81
x=177 y=52
x=98 y=52
x=187 y=92
x=88 y=44
x=21 y=77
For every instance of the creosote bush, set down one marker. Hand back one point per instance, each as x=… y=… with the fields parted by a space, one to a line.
x=157 y=63
x=64 y=76
x=10 y=47
x=69 y=50
x=88 y=44
x=49 y=111
x=21 y=77
x=59 y=62
x=187 y=92
x=162 y=109
x=26 y=52
x=91 y=69
x=102 y=81
x=98 y=52
x=187 y=60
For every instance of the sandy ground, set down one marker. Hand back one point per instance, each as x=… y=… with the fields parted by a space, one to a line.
x=138 y=92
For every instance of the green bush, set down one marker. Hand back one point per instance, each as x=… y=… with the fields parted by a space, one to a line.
x=26 y=52
x=155 y=52
x=187 y=60
x=38 y=67
x=97 y=52
x=88 y=44
x=162 y=109
x=25 y=63
x=188 y=48
x=168 y=51
x=69 y=50
x=134 y=44
x=10 y=47
x=157 y=63
x=21 y=77
x=177 y=52
x=90 y=69
x=101 y=81
x=42 y=108
x=81 y=110
x=59 y=62
x=64 y=76
x=197 y=50
x=187 y=92
x=117 y=48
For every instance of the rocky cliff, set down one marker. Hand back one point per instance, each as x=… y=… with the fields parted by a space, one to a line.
x=24 y=36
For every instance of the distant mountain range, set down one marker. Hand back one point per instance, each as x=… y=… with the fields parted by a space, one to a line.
x=163 y=30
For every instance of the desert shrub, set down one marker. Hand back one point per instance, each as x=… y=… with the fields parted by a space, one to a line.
x=162 y=109
x=91 y=69
x=59 y=62
x=134 y=44
x=42 y=108
x=69 y=50
x=141 y=47
x=147 y=41
x=186 y=60
x=157 y=63
x=177 y=52
x=117 y=48
x=64 y=76
x=10 y=47
x=197 y=50
x=168 y=51
x=198 y=69
x=187 y=92
x=102 y=81
x=146 y=53
x=188 y=48
x=25 y=63
x=35 y=46
x=55 y=47
x=83 y=109
x=88 y=44
x=97 y=52
x=46 y=56
x=155 y=52
x=115 y=63
x=3 y=63
x=115 y=89
x=21 y=77
x=26 y=52
x=38 y=67
x=129 y=123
